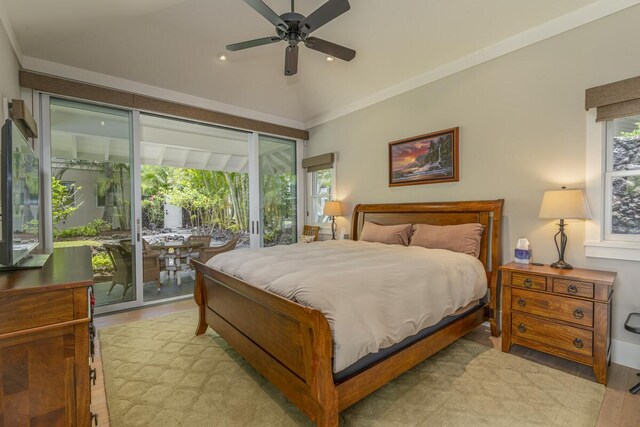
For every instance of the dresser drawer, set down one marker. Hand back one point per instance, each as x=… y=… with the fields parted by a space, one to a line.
x=573 y=287
x=555 y=307
x=560 y=336
x=529 y=281
x=32 y=310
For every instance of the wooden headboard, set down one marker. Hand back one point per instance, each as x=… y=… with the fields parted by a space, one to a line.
x=486 y=212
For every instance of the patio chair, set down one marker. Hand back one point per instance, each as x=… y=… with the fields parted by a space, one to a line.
x=122 y=265
x=311 y=230
x=204 y=239
x=151 y=263
x=209 y=252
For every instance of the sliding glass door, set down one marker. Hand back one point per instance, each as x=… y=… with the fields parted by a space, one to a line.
x=278 y=191
x=91 y=192
x=147 y=194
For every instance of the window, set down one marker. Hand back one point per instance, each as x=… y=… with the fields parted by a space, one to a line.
x=622 y=179
x=613 y=188
x=321 y=189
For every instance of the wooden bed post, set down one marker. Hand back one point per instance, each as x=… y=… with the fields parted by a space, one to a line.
x=199 y=294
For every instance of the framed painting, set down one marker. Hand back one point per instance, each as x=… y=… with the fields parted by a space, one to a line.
x=424 y=159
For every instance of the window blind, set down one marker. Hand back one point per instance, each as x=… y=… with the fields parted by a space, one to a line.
x=316 y=163
x=614 y=100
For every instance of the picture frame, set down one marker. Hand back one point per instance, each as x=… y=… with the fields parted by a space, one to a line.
x=425 y=159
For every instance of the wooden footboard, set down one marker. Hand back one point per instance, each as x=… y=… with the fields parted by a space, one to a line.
x=289 y=344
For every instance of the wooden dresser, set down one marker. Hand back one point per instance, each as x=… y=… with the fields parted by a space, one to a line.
x=566 y=313
x=45 y=318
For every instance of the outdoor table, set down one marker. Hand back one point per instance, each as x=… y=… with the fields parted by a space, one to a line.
x=173 y=254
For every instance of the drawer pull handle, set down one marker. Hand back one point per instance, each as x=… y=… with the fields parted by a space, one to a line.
x=522 y=302
x=94 y=418
x=528 y=283
x=577 y=343
x=578 y=313
x=572 y=289
x=93 y=375
x=522 y=327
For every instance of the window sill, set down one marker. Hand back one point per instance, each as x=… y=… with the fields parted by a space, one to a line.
x=629 y=251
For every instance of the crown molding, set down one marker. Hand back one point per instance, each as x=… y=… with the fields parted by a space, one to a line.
x=79 y=74
x=559 y=25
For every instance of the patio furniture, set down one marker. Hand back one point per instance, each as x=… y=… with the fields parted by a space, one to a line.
x=151 y=264
x=207 y=253
x=632 y=324
x=123 y=271
x=311 y=230
x=176 y=256
x=204 y=239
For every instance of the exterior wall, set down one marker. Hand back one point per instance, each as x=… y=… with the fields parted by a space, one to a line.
x=87 y=195
x=522 y=131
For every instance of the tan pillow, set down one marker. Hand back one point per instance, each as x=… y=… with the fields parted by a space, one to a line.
x=389 y=234
x=463 y=238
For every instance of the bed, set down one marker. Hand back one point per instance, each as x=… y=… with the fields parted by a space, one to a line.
x=292 y=344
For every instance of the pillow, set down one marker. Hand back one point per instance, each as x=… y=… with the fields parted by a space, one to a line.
x=388 y=234
x=463 y=238
x=306 y=239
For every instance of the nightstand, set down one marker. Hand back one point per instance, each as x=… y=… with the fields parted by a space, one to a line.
x=566 y=313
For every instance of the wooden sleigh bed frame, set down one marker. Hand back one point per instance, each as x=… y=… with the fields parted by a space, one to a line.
x=291 y=344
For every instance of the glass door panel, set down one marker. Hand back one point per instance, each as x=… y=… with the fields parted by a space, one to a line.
x=194 y=194
x=91 y=182
x=278 y=191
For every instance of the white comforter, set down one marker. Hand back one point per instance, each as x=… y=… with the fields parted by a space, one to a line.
x=373 y=295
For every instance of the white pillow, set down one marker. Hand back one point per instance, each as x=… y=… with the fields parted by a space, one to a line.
x=306 y=239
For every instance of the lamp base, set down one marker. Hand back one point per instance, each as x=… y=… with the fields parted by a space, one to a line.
x=562 y=265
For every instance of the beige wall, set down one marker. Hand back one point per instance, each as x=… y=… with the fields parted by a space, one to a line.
x=9 y=87
x=522 y=131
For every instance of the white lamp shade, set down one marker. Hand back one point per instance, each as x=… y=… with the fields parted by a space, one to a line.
x=564 y=204
x=332 y=208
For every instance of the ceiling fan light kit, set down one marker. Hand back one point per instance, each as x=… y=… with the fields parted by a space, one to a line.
x=295 y=28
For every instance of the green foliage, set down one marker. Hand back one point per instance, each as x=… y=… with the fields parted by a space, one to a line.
x=62 y=200
x=93 y=229
x=633 y=133
x=101 y=263
x=210 y=198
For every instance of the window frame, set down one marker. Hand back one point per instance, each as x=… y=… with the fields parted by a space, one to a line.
x=599 y=242
x=311 y=180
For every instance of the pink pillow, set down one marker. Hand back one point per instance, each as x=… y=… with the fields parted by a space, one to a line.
x=463 y=238
x=388 y=234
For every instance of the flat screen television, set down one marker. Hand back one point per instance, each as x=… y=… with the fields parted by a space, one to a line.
x=20 y=186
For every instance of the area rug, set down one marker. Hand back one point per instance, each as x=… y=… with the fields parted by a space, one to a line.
x=157 y=373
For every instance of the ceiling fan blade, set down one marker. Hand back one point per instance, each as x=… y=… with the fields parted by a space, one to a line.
x=252 y=43
x=329 y=48
x=268 y=13
x=325 y=13
x=291 y=60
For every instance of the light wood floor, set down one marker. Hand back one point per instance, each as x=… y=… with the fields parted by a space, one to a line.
x=619 y=408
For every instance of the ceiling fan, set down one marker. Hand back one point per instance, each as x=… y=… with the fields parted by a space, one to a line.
x=294 y=28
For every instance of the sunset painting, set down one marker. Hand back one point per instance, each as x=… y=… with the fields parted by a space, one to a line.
x=424 y=159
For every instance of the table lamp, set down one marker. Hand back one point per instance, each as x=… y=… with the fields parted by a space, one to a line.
x=333 y=209
x=563 y=204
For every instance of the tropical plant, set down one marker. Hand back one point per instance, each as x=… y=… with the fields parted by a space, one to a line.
x=63 y=200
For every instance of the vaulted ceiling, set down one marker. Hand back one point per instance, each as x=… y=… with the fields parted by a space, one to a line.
x=173 y=44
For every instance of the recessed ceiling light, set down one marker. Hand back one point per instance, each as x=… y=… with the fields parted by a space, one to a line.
x=222 y=57
x=330 y=59
x=102 y=123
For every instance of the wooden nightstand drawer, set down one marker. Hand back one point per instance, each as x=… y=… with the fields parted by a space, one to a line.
x=573 y=287
x=552 y=306
x=563 y=337
x=529 y=281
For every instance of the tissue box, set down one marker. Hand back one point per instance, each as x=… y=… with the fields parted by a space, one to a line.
x=523 y=256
